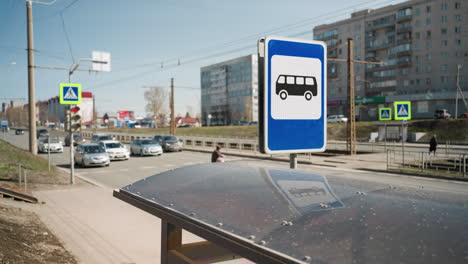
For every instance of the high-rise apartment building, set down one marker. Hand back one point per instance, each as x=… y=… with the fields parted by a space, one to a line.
x=229 y=92
x=422 y=44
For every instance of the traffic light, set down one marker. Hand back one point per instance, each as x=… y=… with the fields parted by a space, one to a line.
x=67 y=120
x=75 y=124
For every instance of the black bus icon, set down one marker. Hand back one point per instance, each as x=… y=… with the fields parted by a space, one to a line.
x=296 y=85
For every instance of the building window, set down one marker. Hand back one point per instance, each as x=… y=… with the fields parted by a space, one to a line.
x=444 y=43
x=443 y=67
x=444 y=79
x=417 y=81
x=405 y=83
x=457 y=5
x=458 y=42
x=429 y=57
x=357 y=27
x=428 y=45
x=458 y=18
x=418 y=35
x=443 y=19
x=418 y=23
x=428 y=9
x=428 y=34
x=428 y=68
x=417 y=11
x=443 y=31
x=428 y=21
x=416 y=69
x=416 y=59
x=443 y=6
x=405 y=71
x=444 y=54
x=457 y=29
x=428 y=80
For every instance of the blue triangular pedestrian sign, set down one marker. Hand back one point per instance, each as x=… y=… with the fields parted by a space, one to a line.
x=403 y=110
x=385 y=114
x=70 y=94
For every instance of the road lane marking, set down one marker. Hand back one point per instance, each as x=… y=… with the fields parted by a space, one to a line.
x=148 y=167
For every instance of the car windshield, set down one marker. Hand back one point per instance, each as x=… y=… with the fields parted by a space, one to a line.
x=105 y=138
x=76 y=136
x=93 y=149
x=148 y=142
x=52 y=140
x=170 y=138
x=114 y=145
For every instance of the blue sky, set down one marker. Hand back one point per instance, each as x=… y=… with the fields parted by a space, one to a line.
x=147 y=39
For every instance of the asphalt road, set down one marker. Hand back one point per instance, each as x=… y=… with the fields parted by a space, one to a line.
x=122 y=173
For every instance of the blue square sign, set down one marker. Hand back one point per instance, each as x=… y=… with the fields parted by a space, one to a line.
x=293 y=117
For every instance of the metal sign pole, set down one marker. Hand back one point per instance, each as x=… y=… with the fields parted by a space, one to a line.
x=293 y=160
x=48 y=151
x=72 y=162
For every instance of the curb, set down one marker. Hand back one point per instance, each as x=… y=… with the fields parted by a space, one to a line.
x=420 y=175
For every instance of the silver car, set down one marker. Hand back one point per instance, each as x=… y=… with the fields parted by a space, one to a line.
x=52 y=144
x=144 y=147
x=88 y=155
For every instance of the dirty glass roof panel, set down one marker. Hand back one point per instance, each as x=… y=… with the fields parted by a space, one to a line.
x=321 y=219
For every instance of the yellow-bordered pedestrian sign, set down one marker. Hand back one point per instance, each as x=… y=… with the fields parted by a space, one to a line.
x=402 y=110
x=385 y=113
x=70 y=93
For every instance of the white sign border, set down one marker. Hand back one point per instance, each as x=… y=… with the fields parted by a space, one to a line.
x=266 y=94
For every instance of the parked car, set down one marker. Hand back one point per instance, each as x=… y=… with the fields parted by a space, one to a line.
x=77 y=139
x=19 y=131
x=100 y=137
x=42 y=132
x=442 y=114
x=88 y=155
x=169 y=142
x=464 y=115
x=52 y=144
x=337 y=119
x=115 y=149
x=145 y=147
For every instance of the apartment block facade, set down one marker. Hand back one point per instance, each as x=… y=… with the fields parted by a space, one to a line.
x=229 y=92
x=423 y=47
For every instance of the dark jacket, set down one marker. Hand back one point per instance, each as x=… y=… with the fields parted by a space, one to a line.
x=215 y=155
x=433 y=144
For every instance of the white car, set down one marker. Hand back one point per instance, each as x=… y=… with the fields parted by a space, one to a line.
x=52 y=144
x=90 y=155
x=337 y=119
x=115 y=149
x=145 y=147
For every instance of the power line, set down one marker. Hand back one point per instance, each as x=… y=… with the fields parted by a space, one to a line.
x=68 y=39
x=58 y=12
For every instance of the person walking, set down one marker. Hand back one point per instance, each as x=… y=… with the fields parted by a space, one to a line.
x=216 y=156
x=433 y=145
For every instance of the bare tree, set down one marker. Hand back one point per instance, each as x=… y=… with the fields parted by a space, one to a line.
x=156 y=99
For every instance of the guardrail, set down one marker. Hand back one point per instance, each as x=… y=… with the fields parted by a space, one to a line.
x=251 y=143
x=443 y=164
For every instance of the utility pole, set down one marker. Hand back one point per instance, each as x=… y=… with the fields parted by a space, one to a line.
x=457 y=90
x=171 y=103
x=31 y=89
x=351 y=144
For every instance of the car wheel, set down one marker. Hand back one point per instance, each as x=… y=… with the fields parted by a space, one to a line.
x=141 y=153
x=283 y=94
x=308 y=95
x=131 y=152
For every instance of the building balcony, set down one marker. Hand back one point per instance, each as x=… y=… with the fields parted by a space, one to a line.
x=404 y=64
x=378 y=47
x=403 y=29
x=404 y=18
x=404 y=53
x=380 y=26
x=404 y=41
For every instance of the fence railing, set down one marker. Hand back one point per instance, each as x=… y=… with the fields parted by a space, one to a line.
x=442 y=163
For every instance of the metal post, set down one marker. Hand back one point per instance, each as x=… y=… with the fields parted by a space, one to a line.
x=387 y=158
x=464 y=165
x=31 y=89
x=48 y=151
x=293 y=161
x=457 y=89
x=25 y=179
x=402 y=144
x=172 y=108
x=351 y=124
x=19 y=174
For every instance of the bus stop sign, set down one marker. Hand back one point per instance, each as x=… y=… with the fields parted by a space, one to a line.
x=292 y=95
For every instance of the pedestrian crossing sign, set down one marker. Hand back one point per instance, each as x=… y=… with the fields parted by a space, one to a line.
x=402 y=110
x=385 y=113
x=70 y=93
